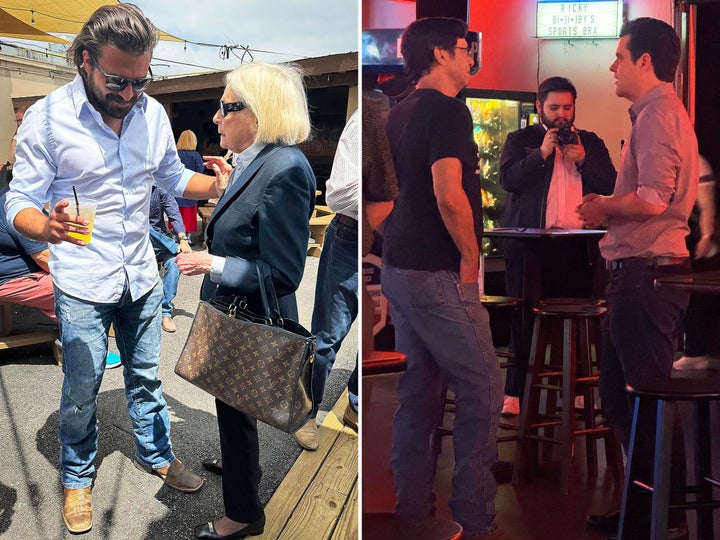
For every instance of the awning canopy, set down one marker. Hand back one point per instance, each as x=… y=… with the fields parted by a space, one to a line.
x=15 y=28
x=51 y=16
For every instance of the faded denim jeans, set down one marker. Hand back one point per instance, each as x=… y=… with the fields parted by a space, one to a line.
x=84 y=327
x=444 y=330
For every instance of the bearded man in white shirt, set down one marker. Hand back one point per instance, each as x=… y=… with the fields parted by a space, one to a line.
x=101 y=139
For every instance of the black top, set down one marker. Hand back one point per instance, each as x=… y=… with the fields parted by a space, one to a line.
x=423 y=128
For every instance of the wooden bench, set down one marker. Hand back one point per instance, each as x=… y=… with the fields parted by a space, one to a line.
x=21 y=340
x=318 y=498
x=321 y=218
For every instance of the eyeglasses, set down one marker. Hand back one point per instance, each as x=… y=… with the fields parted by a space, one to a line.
x=467 y=50
x=116 y=83
x=227 y=108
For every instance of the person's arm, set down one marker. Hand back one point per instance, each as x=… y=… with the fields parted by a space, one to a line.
x=596 y=209
x=201 y=186
x=518 y=166
x=377 y=212
x=597 y=170
x=706 y=205
x=11 y=153
x=457 y=214
x=41 y=258
x=170 y=207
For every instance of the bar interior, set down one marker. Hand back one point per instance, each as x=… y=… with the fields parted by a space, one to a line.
x=562 y=470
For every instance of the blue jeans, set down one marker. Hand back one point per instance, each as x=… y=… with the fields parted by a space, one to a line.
x=83 y=331
x=640 y=336
x=165 y=252
x=336 y=305
x=444 y=330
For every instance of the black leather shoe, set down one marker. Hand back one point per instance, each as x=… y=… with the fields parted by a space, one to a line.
x=251 y=529
x=607 y=522
x=213 y=465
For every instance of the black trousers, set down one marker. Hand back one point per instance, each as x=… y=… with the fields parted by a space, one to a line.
x=240 y=452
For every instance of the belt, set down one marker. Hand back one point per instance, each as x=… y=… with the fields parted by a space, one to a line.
x=637 y=262
x=347 y=221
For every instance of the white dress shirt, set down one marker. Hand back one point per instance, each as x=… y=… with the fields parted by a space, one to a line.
x=564 y=195
x=341 y=189
x=63 y=142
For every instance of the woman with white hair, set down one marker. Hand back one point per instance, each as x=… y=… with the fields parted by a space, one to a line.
x=262 y=219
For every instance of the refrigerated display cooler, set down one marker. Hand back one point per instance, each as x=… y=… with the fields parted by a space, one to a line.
x=495 y=114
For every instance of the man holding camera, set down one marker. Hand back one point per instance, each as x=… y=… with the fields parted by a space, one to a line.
x=546 y=169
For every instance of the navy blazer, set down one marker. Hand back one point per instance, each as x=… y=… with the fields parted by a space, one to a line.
x=263 y=218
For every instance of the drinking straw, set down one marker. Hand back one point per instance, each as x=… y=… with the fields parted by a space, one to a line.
x=77 y=202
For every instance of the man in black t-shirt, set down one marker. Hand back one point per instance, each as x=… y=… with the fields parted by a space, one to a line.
x=430 y=270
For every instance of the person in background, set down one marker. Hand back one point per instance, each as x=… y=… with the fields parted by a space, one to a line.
x=647 y=222
x=24 y=272
x=165 y=247
x=336 y=290
x=431 y=259
x=379 y=186
x=25 y=275
x=83 y=139
x=546 y=172
x=261 y=221
x=702 y=315
x=19 y=113
x=191 y=158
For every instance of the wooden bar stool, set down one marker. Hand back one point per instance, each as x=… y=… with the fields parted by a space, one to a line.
x=659 y=397
x=554 y=378
x=495 y=303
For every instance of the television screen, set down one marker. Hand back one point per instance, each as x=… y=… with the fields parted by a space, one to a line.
x=381 y=50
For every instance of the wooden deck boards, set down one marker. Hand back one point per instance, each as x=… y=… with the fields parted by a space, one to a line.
x=318 y=499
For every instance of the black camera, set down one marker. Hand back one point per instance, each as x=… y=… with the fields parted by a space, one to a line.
x=565 y=135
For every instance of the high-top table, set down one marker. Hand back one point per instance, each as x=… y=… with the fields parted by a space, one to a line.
x=535 y=242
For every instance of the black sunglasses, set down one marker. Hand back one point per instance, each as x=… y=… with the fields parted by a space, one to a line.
x=116 y=83
x=227 y=108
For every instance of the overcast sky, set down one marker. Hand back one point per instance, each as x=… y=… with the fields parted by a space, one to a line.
x=292 y=28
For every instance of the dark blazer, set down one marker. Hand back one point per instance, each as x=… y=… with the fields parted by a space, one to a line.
x=526 y=177
x=263 y=218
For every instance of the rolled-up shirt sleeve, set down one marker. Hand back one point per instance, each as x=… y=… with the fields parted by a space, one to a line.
x=657 y=158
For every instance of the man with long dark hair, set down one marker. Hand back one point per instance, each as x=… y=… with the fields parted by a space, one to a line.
x=100 y=138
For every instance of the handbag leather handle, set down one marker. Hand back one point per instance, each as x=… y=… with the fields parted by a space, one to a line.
x=270 y=305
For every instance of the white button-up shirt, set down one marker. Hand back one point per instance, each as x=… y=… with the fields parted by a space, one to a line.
x=63 y=142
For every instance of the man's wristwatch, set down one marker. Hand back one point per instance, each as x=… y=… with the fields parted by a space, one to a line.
x=181 y=236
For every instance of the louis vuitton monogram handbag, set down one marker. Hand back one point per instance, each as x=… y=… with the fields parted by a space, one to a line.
x=258 y=364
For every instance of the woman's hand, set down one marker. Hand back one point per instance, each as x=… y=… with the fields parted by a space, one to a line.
x=194 y=263
x=222 y=170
